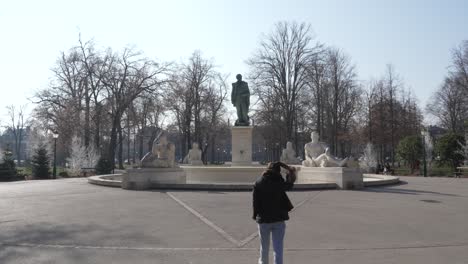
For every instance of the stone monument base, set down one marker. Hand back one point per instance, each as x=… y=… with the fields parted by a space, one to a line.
x=222 y=174
x=241 y=145
x=345 y=178
x=148 y=178
x=196 y=163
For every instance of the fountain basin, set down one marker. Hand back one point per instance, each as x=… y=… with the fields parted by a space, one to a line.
x=237 y=178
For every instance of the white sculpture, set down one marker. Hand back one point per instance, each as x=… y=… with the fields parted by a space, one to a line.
x=162 y=154
x=368 y=161
x=288 y=156
x=464 y=152
x=352 y=162
x=317 y=154
x=429 y=147
x=194 y=156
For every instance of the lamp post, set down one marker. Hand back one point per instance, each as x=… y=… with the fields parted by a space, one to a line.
x=423 y=135
x=277 y=151
x=55 y=135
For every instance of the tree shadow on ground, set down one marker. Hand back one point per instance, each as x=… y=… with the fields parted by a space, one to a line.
x=392 y=189
x=16 y=243
x=198 y=190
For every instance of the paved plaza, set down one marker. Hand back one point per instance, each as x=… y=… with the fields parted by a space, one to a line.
x=422 y=220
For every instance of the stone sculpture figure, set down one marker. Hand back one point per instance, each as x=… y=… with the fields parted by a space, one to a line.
x=240 y=98
x=352 y=162
x=194 y=156
x=317 y=154
x=288 y=156
x=162 y=154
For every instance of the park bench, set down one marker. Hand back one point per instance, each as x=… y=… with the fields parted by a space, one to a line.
x=459 y=172
x=85 y=172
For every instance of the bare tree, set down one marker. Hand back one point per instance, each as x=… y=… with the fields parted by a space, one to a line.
x=460 y=65
x=179 y=101
x=195 y=96
x=392 y=82
x=92 y=90
x=392 y=114
x=449 y=105
x=369 y=97
x=344 y=96
x=197 y=73
x=60 y=106
x=278 y=70
x=145 y=114
x=17 y=127
x=92 y=63
x=213 y=111
x=450 y=102
x=126 y=76
x=318 y=84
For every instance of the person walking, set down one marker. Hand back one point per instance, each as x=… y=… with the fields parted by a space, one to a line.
x=271 y=206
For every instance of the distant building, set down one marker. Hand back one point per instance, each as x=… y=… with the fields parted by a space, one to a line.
x=436 y=132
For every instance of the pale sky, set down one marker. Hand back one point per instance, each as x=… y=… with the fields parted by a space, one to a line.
x=415 y=36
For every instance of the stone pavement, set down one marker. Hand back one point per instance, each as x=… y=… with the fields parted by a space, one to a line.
x=424 y=220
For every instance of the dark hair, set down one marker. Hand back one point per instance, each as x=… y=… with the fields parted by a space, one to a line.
x=274 y=166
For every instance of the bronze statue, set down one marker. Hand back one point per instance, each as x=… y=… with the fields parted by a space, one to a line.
x=240 y=98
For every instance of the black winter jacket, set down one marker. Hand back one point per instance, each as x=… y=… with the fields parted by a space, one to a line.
x=270 y=201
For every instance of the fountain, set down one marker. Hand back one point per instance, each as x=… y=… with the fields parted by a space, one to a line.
x=157 y=167
x=368 y=161
x=159 y=170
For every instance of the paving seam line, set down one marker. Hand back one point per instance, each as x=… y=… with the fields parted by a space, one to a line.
x=57 y=246
x=205 y=220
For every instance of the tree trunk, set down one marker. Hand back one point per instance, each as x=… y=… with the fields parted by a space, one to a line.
x=213 y=149
x=113 y=138
x=120 y=153
x=87 y=132
x=128 y=141
x=97 y=124
x=140 y=145
x=134 y=145
x=17 y=148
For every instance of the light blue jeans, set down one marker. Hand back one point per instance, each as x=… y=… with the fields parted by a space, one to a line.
x=277 y=230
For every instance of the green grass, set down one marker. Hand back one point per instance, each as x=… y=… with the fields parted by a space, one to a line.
x=24 y=170
x=440 y=171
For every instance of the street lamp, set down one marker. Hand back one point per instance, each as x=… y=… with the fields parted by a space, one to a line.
x=277 y=151
x=55 y=135
x=423 y=135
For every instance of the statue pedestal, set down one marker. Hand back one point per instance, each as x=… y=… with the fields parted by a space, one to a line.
x=241 y=145
x=345 y=178
x=196 y=163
